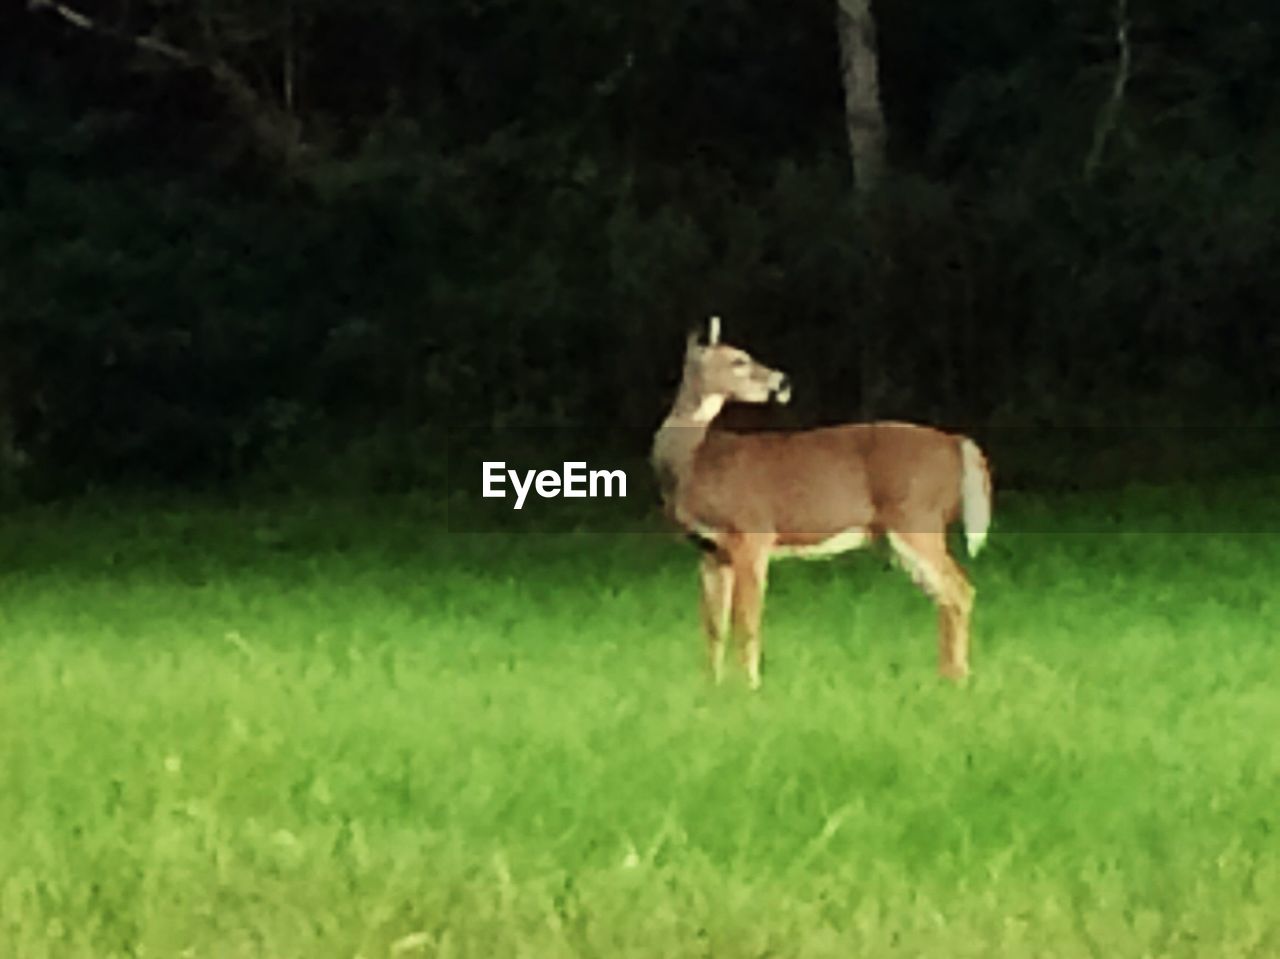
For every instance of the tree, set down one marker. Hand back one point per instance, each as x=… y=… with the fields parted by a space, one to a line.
x=1110 y=112
x=860 y=76
x=267 y=116
x=865 y=128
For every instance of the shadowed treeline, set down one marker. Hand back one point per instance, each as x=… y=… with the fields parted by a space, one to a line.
x=420 y=217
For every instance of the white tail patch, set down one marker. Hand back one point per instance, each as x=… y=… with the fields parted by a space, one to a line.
x=975 y=494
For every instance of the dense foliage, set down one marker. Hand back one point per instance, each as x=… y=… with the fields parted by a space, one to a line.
x=413 y=216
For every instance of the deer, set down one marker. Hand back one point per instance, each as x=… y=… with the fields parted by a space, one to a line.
x=745 y=498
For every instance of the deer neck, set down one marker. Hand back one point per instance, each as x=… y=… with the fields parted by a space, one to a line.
x=682 y=432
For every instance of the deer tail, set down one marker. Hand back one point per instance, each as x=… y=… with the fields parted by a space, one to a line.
x=975 y=495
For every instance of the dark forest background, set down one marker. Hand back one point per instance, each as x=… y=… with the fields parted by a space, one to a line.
x=307 y=238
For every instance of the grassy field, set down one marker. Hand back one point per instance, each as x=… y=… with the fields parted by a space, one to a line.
x=316 y=729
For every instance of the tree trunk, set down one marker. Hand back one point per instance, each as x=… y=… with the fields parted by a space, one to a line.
x=860 y=75
x=1110 y=112
x=865 y=127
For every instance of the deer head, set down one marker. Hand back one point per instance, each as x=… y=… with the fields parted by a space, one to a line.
x=715 y=373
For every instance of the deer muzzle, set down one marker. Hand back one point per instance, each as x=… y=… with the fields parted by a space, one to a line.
x=780 y=388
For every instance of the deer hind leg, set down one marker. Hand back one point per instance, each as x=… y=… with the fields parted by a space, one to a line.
x=926 y=558
x=716 y=573
x=750 y=557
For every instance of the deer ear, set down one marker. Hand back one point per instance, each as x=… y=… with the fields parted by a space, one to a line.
x=694 y=342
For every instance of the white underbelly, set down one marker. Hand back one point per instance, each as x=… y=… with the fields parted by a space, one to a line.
x=841 y=542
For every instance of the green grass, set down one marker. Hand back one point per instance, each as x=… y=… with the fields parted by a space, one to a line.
x=329 y=729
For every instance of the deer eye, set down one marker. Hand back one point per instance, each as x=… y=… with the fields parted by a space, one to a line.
x=739 y=364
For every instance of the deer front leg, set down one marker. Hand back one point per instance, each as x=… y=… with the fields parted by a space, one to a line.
x=716 y=573
x=750 y=555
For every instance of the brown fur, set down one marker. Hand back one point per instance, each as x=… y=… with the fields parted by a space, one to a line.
x=747 y=497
